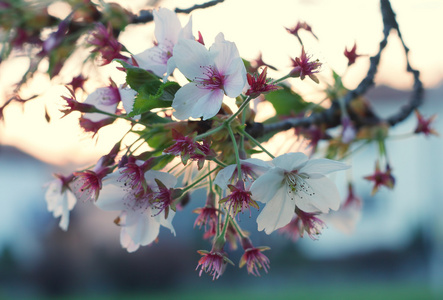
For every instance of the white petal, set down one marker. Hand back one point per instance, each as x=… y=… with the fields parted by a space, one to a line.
x=290 y=161
x=323 y=166
x=186 y=99
x=170 y=67
x=325 y=196
x=223 y=177
x=64 y=220
x=236 y=80
x=277 y=213
x=142 y=228
x=152 y=59
x=186 y=32
x=127 y=96
x=167 y=179
x=167 y=222
x=127 y=242
x=209 y=105
x=112 y=195
x=190 y=56
x=167 y=26
x=266 y=186
x=226 y=53
x=258 y=166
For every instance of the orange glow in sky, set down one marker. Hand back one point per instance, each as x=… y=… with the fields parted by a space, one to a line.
x=255 y=26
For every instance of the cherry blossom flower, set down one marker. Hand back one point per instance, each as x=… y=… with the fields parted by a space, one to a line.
x=105 y=99
x=213 y=73
x=351 y=55
x=60 y=199
x=87 y=184
x=214 y=262
x=258 y=84
x=106 y=44
x=73 y=105
x=239 y=198
x=253 y=258
x=168 y=30
x=300 y=25
x=208 y=215
x=139 y=220
x=304 y=222
x=295 y=182
x=303 y=66
x=424 y=125
x=381 y=178
x=187 y=148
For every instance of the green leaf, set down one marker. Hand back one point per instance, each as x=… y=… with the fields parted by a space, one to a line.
x=147 y=100
x=286 y=102
x=138 y=78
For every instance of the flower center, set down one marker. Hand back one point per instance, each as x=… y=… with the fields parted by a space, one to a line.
x=211 y=79
x=297 y=184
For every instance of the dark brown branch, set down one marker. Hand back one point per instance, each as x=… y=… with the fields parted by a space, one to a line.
x=198 y=6
x=331 y=116
x=147 y=16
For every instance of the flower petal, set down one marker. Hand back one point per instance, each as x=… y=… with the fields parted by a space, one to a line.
x=266 y=186
x=190 y=56
x=223 y=177
x=290 y=161
x=186 y=99
x=323 y=166
x=235 y=81
x=277 y=213
x=153 y=59
x=209 y=105
x=325 y=196
x=167 y=26
x=186 y=32
x=142 y=228
x=167 y=179
x=227 y=52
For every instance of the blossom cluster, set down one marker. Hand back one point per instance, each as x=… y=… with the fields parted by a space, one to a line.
x=188 y=128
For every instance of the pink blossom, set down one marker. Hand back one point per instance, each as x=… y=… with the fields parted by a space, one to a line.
x=424 y=125
x=239 y=198
x=139 y=219
x=352 y=55
x=253 y=258
x=106 y=44
x=207 y=215
x=381 y=178
x=168 y=30
x=213 y=74
x=303 y=222
x=303 y=67
x=259 y=84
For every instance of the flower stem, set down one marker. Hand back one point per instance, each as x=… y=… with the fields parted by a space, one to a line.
x=199 y=180
x=240 y=109
x=281 y=79
x=237 y=156
x=221 y=164
x=257 y=143
x=237 y=228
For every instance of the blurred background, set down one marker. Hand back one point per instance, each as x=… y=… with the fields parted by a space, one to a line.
x=395 y=251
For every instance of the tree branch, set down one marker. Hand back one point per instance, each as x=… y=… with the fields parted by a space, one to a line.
x=198 y=6
x=331 y=116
